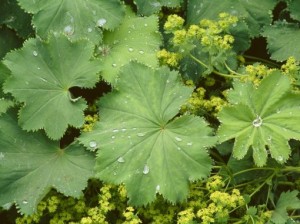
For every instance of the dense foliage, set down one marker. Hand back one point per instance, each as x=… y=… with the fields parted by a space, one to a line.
x=159 y=111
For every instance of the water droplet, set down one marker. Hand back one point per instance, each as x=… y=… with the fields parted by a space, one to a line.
x=257 y=122
x=101 y=22
x=130 y=49
x=168 y=81
x=68 y=30
x=189 y=143
x=157 y=188
x=1 y=155
x=146 y=169
x=115 y=130
x=128 y=136
x=25 y=202
x=113 y=137
x=93 y=144
x=123 y=129
x=121 y=160
x=178 y=148
x=114 y=65
x=89 y=29
x=178 y=139
x=141 y=52
x=35 y=53
x=145 y=24
x=115 y=173
x=141 y=134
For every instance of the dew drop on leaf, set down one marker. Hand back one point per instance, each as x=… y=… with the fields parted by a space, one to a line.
x=146 y=169
x=101 y=22
x=113 y=137
x=114 y=65
x=130 y=49
x=35 y=53
x=141 y=134
x=1 y=155
x=257 y=122
x=25 y=202
x=68 y=30
x=115 y=130
x=145 y=24
x=121 y=160
x=93 y=144
x=178 y=139
x=189 y=143
x=157 y=188
x=89 y=29
x=123 y=129
x=141 y=52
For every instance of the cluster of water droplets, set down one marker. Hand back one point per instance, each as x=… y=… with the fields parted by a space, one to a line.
x=257 y=122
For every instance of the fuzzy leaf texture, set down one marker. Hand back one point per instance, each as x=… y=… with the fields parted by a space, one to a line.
x=142 y=143
x=137 y=39
x=283 y=41
x=287 y=200
x=31 y=164
x=259 y=117
x=76 y=18
x=150 y=7
x=42 y=79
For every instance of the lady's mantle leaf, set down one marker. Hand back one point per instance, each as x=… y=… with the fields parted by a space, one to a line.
x=141 y=141
x=42 y=74
x=76 y=18
x=30 y=165
x=294 y=8
x=283 y=41
x=136 y=39
x=150 y=7
x=266 y=116
x=287 y=200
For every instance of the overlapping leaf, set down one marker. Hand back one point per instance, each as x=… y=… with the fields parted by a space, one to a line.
x=294 y=8
x=262 y=118
x=31 y=164
x=42 y=78
x=136 y=39
x=76 y=18
x=287 y=200
x=150 y=7
x=283 y=41
x=141 y=142
x=5 y=101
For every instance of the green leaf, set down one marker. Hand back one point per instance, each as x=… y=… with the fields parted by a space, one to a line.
x=8 y=41
x=255 y=12
x=5 y=101
x=14 y=17
x=266 y=116
x=288 y=200
x=150 y=7
x=42 y=75
x=136 y=39
x=283 y=41
x=141 y=141
x=31 y=164
x=294 y=8
x=76 y=18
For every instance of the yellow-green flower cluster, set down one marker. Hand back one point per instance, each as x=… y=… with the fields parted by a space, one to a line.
x=220 y=206
x=186 y=216
x=168 y=58
x=197 y=101
x=130 y=217
x=90 y=121
x=255 y=73
x=174 y=22
x=215 y=183
x=292 y=69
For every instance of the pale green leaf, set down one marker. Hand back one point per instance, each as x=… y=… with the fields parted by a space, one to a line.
x=31 y=164
x=287 y=200
x=150 y=7
x=76 y=18
x=142 y=143
x=260 y=117
x=136 y=39
x=42 y=75
x=283 y=41
x=294 y=8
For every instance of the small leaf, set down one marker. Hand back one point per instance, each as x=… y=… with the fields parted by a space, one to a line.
x=287 y=200
x=150 y=7
x=294 y=8
x=141 y=141
x=283 y=41
x=31 y=164
x=266 y=116
x=42 y=75
x=137 y=39
x=76 y=18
